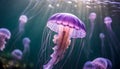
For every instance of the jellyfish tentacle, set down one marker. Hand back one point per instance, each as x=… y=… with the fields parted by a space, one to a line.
x=62 y=40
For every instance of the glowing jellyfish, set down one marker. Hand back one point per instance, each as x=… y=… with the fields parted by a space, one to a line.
x=98 y=63
x=113 y=41
x=102 y=37
x=22 y=21
x=17 y=54
x=92 y=18
x=66 y=26
x=102 y=63
x=26 y=43
x=4 y=35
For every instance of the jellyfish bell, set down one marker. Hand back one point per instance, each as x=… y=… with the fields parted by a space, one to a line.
x=57 y=22
x=17 y=54
x=66 y=26
x=23 y=19
x=100 y=62
x=107 y=20
x=26 y=41
x=4 y=35
x=5 y=32
x=92 y=16
x=101 y=35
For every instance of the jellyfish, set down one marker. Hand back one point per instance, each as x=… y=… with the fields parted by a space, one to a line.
x=102 y=63
x=113 y=41
x=102 y=37
x=92 y=18
x=26 y=43
x=17 y=54
x=4 y=35
x=66 y=26
x=22 y=21
x=98 y=63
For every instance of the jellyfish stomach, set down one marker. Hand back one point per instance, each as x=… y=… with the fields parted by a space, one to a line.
x=62 y=43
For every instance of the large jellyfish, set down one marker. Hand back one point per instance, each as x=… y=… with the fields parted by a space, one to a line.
x=66 y=26
x=92 y=18
x=102 y=37
x=98 y=63
x=4 y=35
x=112 y=39
x=26 y=43
x=22 y=21
x=17 y=54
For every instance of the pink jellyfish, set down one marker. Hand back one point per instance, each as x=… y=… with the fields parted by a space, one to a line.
x=92 y=18
x=17 y=54
x=4 y=34
x=98 y=63
x=112 y=39
x=22 y=21
x=66 y=26
x=102 y=37
x=26 y=43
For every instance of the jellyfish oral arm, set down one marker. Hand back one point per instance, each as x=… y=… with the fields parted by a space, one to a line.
x=62 y=42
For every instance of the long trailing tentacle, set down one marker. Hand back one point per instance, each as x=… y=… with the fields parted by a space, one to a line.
x=62 y=41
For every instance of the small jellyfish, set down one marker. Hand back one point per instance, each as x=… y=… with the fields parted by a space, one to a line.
x=66 y=26
x=22 y=21
x=98 y=63
x=92 y=18
x=113 y=41
x=4 y=35
x=26 y=43
x=102 y=37
x=102 y=63
x=17 y=54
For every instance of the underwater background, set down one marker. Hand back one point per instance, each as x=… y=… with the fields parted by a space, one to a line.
x=10 y=11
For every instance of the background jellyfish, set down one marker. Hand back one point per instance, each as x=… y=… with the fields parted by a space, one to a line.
x=114 y=43
x=98 y=63
x=4 y=35
x=102 y=37
x=66 y=26
x=26 y=43
x=17 y=54
x=92 y=18
x=22 y=21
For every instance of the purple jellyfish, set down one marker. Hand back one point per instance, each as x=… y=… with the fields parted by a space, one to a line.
x=66 y=26
x=26 y=43
x=98 y=63
x=4 y=34
x=92 y=18
x=17 y=54
x=102 y=37
x=112 y=39
x=102 y=63
x=22 y=21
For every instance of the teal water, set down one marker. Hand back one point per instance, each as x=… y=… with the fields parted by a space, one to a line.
x=10 y=10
